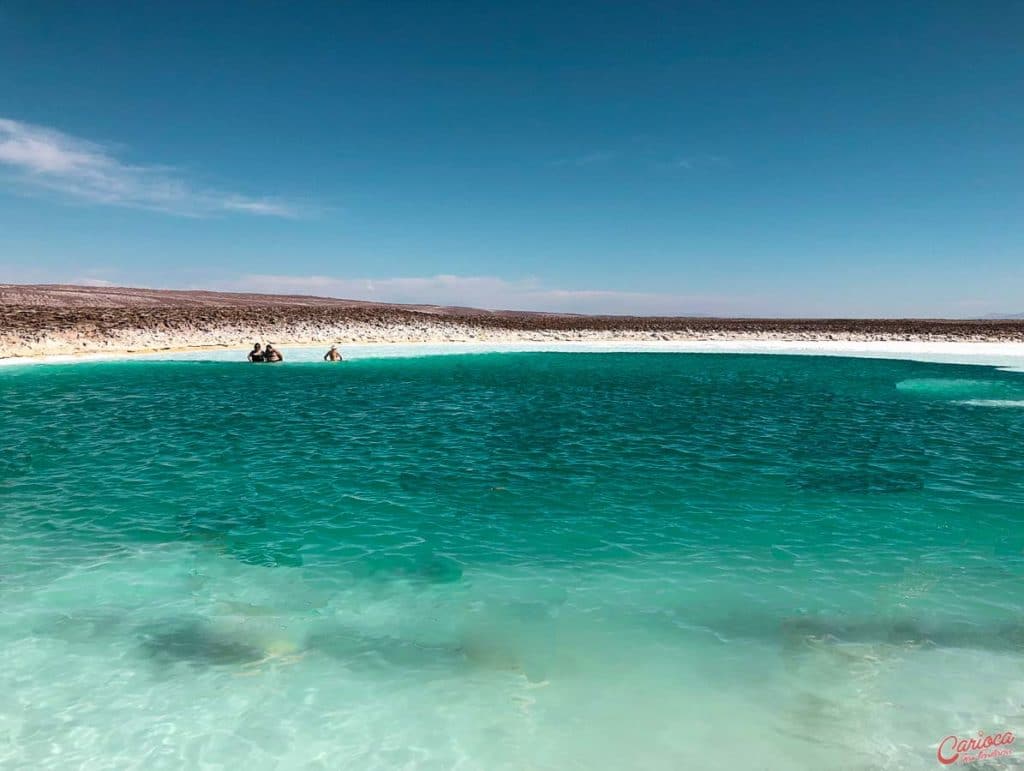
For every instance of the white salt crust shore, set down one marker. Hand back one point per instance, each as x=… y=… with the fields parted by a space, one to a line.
x=1008 y=356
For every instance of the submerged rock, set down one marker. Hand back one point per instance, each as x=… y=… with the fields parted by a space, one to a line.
x=419 y=567
x=265 y=556
x=198 y=644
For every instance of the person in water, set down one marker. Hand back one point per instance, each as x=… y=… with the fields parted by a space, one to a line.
x=270 y=353
x=256 y=354
x=333 y=354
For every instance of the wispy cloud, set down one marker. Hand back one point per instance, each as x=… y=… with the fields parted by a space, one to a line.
x=648 y=158
x=488 y=292
x=582 y=161
x=691 y=162
x=40 y=158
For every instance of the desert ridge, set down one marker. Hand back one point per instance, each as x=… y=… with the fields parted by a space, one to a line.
x=49 y=320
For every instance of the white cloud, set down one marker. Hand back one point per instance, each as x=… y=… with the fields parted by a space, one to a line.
x=581 y=161
x=45 y=159
x=691 y=162
x=263 y=206
x=488 y=292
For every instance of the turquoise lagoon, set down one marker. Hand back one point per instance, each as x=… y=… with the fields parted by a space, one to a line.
x=509 y=561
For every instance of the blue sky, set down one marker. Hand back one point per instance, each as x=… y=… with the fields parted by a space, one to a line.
x=750 y=158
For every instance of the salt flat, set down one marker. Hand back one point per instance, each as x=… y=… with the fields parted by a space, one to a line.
x=1006 y=355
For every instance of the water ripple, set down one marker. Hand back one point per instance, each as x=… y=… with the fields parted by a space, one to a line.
x=490 y=560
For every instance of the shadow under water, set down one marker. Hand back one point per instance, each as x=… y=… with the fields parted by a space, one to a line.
x=794 y=630
x=195 y=642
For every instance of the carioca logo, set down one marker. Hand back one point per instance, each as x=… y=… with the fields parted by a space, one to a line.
x=953 y=747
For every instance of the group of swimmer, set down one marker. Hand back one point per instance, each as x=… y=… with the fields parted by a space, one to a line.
x=270 y=354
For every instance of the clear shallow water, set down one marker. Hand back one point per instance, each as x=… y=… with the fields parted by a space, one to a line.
x=509 y=561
